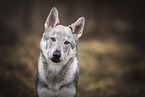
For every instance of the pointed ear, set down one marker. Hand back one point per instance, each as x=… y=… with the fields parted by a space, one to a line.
x=52 y=18
x=78 y=27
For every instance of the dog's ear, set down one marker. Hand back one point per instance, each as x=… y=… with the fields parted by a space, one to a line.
x=52 y=19
x=78 y=27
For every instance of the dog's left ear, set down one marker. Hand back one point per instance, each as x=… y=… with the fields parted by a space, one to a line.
x=52 y=19
x=78 y=27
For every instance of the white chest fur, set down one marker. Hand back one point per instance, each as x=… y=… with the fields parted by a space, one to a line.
x=49 y=77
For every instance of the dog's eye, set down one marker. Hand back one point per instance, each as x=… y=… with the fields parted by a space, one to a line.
x=53 y=39
x=66 y=42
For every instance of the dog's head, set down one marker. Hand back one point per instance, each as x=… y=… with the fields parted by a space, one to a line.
x=59 y=42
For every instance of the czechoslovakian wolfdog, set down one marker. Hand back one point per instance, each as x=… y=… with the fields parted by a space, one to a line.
x=58 y=65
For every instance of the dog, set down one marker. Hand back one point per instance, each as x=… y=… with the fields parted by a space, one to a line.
x=58 y=64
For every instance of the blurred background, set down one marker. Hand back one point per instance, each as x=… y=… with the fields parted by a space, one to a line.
x=111 y=50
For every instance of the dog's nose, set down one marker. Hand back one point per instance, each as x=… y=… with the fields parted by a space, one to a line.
x=57 y=54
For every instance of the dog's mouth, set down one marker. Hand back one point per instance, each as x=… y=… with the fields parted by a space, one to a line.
x=55 y=60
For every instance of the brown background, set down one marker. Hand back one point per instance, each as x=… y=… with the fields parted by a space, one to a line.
x=120 y=22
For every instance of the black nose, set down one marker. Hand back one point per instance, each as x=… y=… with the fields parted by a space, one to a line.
x=57 y=54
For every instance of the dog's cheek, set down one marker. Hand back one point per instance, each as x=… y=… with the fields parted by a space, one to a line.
x=72 y=52
x=43 y=48
x=50 y=49
x=68 y=50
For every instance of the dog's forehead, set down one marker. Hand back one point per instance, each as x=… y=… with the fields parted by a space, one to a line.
x=63 y=31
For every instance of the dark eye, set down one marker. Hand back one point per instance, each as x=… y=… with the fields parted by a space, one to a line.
x=53 y=39
x=66 y=42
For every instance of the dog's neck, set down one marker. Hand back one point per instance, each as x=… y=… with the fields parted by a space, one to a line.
x=52 y=73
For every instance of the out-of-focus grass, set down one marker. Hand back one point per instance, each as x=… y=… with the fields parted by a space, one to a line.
x=18 y=68
x=106 y=69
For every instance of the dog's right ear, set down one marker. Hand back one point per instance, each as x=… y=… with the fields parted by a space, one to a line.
x=52 y=19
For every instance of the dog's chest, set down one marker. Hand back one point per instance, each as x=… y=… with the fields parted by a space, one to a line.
x=56 y=79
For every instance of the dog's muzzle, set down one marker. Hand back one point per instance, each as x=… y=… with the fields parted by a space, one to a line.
x=56 y=57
